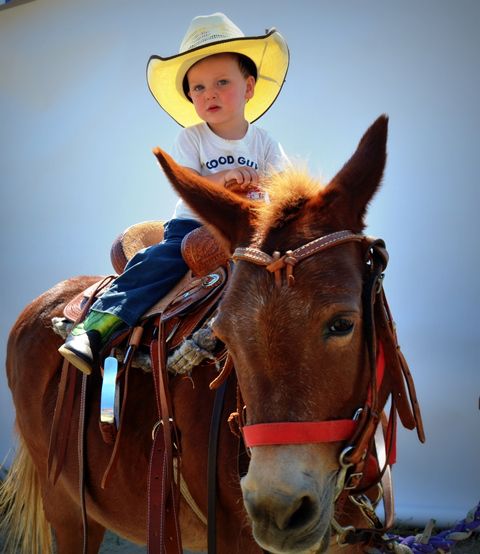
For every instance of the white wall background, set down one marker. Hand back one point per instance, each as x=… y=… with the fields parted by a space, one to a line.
x=77 y=125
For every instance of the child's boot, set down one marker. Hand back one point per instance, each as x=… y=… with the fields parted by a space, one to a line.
x=85 y=340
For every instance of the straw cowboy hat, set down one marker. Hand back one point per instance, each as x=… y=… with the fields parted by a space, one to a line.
x=216 y=34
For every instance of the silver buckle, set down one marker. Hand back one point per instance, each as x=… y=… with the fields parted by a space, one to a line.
x=210 y=279
x=349 y=485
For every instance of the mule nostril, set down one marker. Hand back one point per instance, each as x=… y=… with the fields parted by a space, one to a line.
x=300 y=514
x=303 y=513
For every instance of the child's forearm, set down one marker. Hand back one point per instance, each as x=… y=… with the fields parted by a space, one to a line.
x=243 y=175
x=217 y=178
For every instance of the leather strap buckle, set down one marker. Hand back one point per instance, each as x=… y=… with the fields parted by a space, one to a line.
x=342 y=532
x=157 y=425
x=353 y=480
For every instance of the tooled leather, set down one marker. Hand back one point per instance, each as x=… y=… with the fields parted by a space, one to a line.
x=76 y=307
x=256 y=256
x=133 y=239
x=202 y=252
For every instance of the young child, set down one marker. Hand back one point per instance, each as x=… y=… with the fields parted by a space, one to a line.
x=218 y=84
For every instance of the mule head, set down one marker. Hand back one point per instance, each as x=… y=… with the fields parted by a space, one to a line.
x=299 y=352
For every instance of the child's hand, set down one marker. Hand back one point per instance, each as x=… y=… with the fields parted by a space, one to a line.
x=244 y=176
x=244 y=181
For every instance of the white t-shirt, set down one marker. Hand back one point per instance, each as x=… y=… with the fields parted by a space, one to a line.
x=199 y=148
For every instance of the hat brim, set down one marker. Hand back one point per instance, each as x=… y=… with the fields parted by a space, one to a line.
x=269 y=53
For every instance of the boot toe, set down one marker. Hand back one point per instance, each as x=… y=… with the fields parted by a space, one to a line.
x=82 y=350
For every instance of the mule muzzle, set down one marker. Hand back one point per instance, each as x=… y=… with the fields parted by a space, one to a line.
x=289 y=513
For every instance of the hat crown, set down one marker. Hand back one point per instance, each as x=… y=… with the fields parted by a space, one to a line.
x=206 y=29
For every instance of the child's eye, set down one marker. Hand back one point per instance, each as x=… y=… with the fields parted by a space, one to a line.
x=198 y=88
x=223 y=82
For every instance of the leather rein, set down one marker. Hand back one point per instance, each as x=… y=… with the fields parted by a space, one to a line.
x=369 y=434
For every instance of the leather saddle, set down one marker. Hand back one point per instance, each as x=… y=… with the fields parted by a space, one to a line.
x=185 y=310
x=200 y=250
x=182 y=315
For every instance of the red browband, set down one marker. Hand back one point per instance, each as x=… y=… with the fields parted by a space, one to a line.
x=304 y=432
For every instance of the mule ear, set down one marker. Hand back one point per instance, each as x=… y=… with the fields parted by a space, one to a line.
x=229 y=215
x=350 y=191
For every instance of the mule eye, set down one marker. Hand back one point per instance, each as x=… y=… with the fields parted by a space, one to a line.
x=340 y=326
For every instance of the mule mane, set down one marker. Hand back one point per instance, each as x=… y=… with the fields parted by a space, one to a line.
x=288 y=193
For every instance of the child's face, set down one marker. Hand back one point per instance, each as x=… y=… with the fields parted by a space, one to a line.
x=219 y=91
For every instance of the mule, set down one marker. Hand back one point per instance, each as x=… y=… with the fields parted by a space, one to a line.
x=303 y=331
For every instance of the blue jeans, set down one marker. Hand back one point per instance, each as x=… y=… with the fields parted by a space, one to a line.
x=148 y=276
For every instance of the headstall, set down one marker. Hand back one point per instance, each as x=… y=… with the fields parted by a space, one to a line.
x=276 y=263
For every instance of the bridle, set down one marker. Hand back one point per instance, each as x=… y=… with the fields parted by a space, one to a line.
x=362 y=427
x=358 y=434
